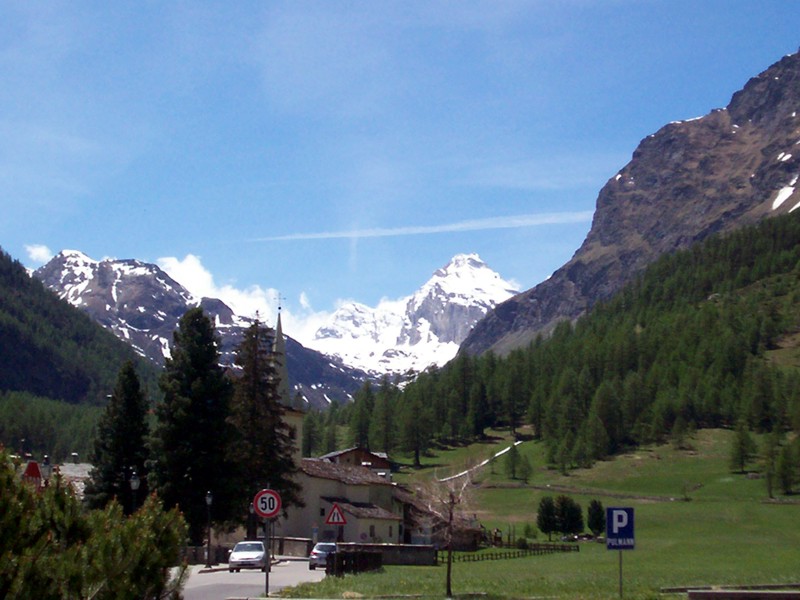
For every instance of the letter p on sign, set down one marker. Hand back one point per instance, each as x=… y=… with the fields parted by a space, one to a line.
x=619 y=520
x=619 y=529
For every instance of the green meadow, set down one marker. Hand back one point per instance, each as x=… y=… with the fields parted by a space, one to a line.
x=697 y=524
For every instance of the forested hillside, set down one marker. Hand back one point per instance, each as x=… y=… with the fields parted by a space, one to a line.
x=684 y=346
x=51 y=354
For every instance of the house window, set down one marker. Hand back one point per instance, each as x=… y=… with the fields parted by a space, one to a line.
x=321 y=512
x=372 y=531
x=390 y=532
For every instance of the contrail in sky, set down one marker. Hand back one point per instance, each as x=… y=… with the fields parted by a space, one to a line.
x=470 y=225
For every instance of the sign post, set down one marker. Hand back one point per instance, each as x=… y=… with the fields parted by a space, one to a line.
x=267 y=505
x=619 y=534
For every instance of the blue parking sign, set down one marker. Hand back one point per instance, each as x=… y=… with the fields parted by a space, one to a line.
x=619 y=529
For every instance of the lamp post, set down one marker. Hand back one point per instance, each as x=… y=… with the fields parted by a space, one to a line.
x=252 y=531
x=135 y=482
x=46 y=470
x=209 y=500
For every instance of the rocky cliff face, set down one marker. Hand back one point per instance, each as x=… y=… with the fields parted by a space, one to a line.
x=689 y=180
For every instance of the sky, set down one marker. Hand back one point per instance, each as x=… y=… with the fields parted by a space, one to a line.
x=307 y=154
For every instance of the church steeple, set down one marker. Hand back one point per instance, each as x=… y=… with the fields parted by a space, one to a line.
x=293 y=415
x=279 y=352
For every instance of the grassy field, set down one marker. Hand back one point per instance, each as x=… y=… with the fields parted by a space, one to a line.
x=696 y=524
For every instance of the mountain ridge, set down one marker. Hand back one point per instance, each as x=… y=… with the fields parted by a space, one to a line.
x=689 y=180
x=52 y=350
x=142 y=305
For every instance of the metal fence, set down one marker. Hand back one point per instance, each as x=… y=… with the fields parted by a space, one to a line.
x=533 y=550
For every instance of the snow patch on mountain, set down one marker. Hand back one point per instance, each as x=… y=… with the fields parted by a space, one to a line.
x=142 y=304
x=417 y=331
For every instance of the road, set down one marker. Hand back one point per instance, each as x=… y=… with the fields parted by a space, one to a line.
x=219 y=584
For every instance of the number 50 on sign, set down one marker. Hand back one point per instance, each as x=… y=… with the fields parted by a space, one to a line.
x=267 y=504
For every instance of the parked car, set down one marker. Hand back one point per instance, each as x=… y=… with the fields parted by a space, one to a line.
x=247 y=555
x=319 y=555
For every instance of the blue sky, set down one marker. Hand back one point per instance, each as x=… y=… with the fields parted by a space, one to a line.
x=332 y=151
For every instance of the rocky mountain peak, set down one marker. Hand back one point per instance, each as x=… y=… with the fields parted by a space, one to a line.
x=423 y=329
x=769 y=97
x=142 y=305
x=689 y=180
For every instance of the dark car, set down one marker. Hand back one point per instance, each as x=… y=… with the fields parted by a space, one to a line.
x=319 y=555
x=247 y=555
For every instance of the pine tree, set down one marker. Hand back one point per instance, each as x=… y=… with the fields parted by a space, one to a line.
x=329 y=441
x=564 y=454
x=313 y=430
x=525 y=468
x=363 y=404
x=743 y=447
x=546 y=519
x=597 y=440
x=264 y=442
x=596 y=517
x=787 y=468
x=514 y=398
x=415 y=433
x=478 y=408
x=192 y=434
x=120 y=447
x=772 y=445
x=568 y=515
x=51 y=548
x=381 y=426
x=512 y=461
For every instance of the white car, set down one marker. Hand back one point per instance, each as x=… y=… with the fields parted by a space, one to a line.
x=247 y=555
x=319 y=555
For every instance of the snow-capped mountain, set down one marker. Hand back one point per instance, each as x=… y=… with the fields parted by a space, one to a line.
x=420 y=330
x=142 y=305
x=137 y=301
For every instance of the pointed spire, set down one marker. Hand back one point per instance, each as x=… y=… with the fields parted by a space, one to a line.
x=279 y=351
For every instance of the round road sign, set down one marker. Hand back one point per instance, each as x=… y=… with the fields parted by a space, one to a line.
x=267 y=504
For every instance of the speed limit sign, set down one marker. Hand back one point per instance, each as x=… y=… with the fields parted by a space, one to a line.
x=267 y=504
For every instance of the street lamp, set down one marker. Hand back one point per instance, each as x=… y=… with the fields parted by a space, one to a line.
x=135 y=482
x=252 y=527
x=209 y=500
x=46 y=470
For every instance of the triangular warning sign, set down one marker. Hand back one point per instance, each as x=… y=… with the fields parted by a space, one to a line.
x=336 y=516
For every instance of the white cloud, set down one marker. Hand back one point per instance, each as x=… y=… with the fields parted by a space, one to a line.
x=38 y=253
x=191 y=274
x=460 y=226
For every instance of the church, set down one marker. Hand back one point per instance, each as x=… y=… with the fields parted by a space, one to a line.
x=343 y=502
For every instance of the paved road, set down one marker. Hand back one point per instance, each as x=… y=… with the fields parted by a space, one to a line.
x=219 y=584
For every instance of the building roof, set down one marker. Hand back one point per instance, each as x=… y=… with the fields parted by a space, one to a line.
x=352 y=475
x=331 y=455
x=362 y=510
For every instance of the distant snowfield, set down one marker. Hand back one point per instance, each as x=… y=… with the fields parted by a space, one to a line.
x=417 y=331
